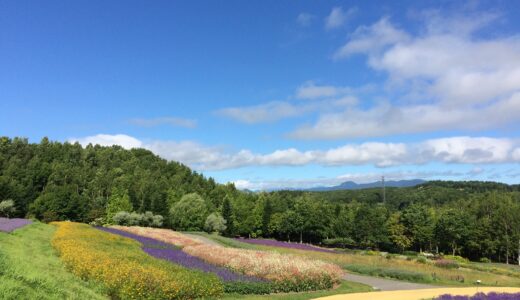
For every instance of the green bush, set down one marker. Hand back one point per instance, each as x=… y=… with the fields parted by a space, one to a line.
x=485 y=260
x=248 y=288
x=339 y=242
x=148 y=219
x=456 y=258
x=422 y=260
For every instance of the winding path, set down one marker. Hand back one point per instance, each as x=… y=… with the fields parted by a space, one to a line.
x=387 y=284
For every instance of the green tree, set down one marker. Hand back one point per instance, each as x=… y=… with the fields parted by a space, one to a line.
x=452 y=228
x=266 y=216
x=419 y=223
x=118 y=201
x=227 y=214
x=189 y=213
x=215 y=223
x=396 y=231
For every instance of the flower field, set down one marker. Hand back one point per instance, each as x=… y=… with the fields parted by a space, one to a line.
x=274 y=243
x=126 y=271
x=173 y=254
x=8 y=225
x=287 y=272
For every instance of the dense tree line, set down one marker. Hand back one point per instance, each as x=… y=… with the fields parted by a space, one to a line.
x=64 y=181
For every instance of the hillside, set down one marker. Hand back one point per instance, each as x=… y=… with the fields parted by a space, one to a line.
x=61 y=181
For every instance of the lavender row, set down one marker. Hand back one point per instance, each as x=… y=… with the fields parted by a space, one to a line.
x=8 y=225
x=275 y=243
x=170 y=253
x=482 y=296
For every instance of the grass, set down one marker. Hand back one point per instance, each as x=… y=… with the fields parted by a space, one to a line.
x=401 y=269
x=346 y=287
x=30 y=268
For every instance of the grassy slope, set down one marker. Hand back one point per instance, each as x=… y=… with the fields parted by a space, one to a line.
x=30 y=268
x=399 y=269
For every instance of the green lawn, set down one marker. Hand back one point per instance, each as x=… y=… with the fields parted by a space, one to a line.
x=30 y=268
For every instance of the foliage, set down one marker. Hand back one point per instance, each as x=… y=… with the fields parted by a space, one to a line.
x=189 y=213
x=7 y=208
x=124 y=269
x=119 y=201
x=215 y=223
x=248 y=288
x=135 y=219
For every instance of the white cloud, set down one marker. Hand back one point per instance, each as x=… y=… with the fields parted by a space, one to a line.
x=371 y=39
x=468 y=150
x=304 y=19
x=309 y=90
x=122 y=140
x=443 y=79
x=463 y=150
x=385 y=119
x=268 y=112
x=173 y=121
x=338 y=17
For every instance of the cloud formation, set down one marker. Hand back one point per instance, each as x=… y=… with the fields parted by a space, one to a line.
x=462 y=150
x=444 y=78
x=338 y=17
x=304 y=19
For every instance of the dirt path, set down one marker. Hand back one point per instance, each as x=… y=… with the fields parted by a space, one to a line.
x=387 y=284
x=202 y=239
x=420 y=294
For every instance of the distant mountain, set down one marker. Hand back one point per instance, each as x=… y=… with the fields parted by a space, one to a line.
x=350 y=185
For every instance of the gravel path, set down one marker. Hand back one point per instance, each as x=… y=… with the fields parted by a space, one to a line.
x=387 y=284
x=202 y=239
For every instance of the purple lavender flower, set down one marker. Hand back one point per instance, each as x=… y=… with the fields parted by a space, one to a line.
x=274 y=243
x=173 y=254
x=8 y=225
x=482 y=296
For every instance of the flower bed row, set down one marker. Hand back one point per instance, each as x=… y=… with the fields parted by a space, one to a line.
x=174 y=254
x=287 y=272
x=482 y=296
x=274 y=243
x=125 y=270
x=8 y=225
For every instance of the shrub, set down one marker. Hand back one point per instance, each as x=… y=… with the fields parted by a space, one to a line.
x=135 y=219
x=125 y=270
x=422 y=260
x=215 y=223
x=7 y=208
x=339 y=242
x=456 y=258
x=245 y=288
x=447 y=264
x=485 y=260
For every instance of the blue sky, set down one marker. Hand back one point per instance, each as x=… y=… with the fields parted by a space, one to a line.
x=273 y=93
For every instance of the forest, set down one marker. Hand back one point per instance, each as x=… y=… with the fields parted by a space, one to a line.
x=54 y=181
